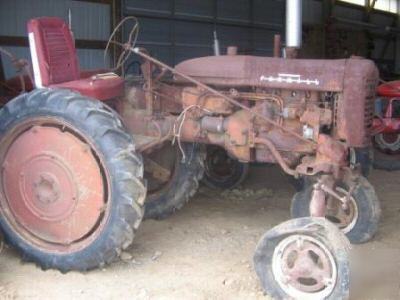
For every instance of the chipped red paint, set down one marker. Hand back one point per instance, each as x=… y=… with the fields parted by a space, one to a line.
x=52 y=185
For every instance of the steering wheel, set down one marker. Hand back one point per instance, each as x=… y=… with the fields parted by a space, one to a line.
x=132 y=39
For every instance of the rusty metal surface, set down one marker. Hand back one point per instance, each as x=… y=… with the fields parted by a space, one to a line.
x=44 y=191
x=231 y=50
x=277 y=156
x=192 y=96
x=303 y=259
x=298 y=113
x=238 y=132
x=354 y=79
x=316 y=116
x=355 y=108
x=277 y=45
x=291 y=52
x=192 y=80
x=317 y=201
x=267 y=72
x=330 y=150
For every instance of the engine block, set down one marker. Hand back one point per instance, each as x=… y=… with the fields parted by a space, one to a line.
x=318 y=109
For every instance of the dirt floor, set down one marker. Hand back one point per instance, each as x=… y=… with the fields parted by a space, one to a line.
x=205 y=251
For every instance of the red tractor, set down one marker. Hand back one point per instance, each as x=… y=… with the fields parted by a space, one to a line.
x=83 y=160
x=387 y=121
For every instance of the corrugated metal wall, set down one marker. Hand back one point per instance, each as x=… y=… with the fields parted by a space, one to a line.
x=398 y=56
x=181 y=29
x=174 y=30
x=89 y=21
x=177 y=30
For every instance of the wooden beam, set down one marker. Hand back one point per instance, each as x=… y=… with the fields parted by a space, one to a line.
x=90 y=44
x=116 y=17
x=20 y=41
x=109 y=2
x=362 y=8
x=13 y=41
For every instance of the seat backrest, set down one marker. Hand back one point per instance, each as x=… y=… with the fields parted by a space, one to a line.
x=53 y=53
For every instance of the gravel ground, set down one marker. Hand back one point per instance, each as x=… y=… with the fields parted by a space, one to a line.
x=205 y=251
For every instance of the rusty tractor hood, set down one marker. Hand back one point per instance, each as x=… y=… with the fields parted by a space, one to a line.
x=269 y=72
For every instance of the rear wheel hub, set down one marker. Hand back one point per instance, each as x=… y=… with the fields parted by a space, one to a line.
x=52 y=186
x=219 y=165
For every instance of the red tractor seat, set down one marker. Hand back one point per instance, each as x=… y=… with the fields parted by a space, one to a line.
x=55 y=63
x=101 y=86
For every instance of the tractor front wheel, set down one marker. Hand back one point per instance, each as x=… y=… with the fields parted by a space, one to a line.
x=359 y=221
x=71 y=194
x=304 y=258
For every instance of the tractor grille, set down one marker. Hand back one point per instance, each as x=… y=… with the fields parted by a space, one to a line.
x=335 y=110
x=369 y=107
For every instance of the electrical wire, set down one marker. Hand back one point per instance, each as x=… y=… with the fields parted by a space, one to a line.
x=177 y=130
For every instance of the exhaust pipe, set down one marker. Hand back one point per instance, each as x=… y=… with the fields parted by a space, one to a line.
x=293 y=25
x=217 y=50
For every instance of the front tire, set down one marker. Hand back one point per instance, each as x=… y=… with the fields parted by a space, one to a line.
x=304 y=258
x=359 y=222
x=71 y=191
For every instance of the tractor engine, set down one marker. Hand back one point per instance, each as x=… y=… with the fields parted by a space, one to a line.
x=317 y=109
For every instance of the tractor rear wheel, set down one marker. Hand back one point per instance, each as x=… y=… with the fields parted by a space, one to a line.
x=388 y=143
x=171 y=181
x=222 y=171
x=71 y=194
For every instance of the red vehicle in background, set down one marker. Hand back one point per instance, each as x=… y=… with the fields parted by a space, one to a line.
x=386 y=125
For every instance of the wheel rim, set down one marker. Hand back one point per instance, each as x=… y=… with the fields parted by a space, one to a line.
x=304 y=268
x=388 y=141
x=345 y=219
x=218 y=165
x=54 y=189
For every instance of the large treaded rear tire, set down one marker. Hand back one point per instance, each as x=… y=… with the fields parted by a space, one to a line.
x=102 y=127
x=181 y=187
